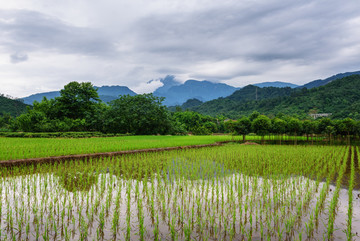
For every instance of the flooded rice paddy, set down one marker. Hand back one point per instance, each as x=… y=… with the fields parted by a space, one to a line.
x=222 y=193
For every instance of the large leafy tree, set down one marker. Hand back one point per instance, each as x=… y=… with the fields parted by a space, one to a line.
x=261 y=125
x=295 y=127
x=279 y=127
x=242 y=127
x=77 y=100
x=77 y=109
x=140 y=114
x=309 y=128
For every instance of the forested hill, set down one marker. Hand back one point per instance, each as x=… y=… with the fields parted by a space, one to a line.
x=12 y=107
x=340 y=97
x=321 y=82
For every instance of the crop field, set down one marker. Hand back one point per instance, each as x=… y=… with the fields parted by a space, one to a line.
x=21 y=148
x=231 y=192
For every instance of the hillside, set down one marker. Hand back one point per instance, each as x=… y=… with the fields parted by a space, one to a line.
x=106 y=94
x=277 y=84
x=340 y=97
x=12 y=107
x=321 y=82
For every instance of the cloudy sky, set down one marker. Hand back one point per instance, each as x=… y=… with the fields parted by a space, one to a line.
x=44 y=44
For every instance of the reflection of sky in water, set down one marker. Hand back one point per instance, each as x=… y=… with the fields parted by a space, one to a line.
x=193 y=170
x=16 y=191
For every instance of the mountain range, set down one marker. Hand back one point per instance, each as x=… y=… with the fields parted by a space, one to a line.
x=204 y=96
x=341 y=97
x=177 y=94
x=321 y=82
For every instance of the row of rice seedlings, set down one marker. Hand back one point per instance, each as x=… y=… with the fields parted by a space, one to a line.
x=334 y=201
x=349 y=233
x=201 y=199
x=330 y=161
x=304 y=203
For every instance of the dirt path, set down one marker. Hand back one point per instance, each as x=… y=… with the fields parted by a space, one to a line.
x=30 y=161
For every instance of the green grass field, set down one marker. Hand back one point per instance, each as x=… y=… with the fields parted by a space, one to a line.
x=20 y=148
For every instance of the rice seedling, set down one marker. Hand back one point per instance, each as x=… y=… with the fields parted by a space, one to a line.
x=230 y=192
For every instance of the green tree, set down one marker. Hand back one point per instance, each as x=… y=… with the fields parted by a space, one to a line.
x=279 y=127
x=322 y=124
x=77 y=100
x=309 y=128
x=242 y=127
x=140 y=114
x=211 y=126
x=348 y=127
x=254 y=115
x=295 y=127
x=261 y=125
x=330 y=131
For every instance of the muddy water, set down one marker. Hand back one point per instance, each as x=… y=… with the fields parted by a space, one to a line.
x=231 y=207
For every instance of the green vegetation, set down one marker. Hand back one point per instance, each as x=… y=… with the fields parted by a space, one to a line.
x=79 y=109
x=19 y=148
x=340 y=97
x=11 y=107
x=140 y=115
x=222 y=193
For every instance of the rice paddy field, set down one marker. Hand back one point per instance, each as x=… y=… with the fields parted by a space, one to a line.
x=230 y=192
x=21 y=148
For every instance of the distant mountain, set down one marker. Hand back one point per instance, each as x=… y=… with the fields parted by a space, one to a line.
x=38 y=97
x=277 y=84
x=106 y=94
x=339 y=97
x=321 y=82
x=247 y=94
x=177 y=94
x=12 y=107
x=191 y=103
x=168 y=82
x=251 y=92
x=109 y=93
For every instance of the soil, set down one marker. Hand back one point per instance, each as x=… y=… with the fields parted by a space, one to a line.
x=250 y=143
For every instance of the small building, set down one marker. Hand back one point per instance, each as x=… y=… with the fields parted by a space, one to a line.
x=315 y=116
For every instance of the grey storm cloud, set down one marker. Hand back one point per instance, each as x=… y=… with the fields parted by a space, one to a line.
x=234 y=42
x=32 y=31
x=18 y=57
x=279 y=30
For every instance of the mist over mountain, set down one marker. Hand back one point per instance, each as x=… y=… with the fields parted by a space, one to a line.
x=168 y=82
x=177 y=94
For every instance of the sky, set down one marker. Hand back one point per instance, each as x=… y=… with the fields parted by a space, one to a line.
x=45 y=44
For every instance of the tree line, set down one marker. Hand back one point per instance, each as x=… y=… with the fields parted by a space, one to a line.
x=78 y=108
x=282 y=124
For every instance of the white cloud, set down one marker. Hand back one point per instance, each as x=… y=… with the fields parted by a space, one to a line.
x=131 y=42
